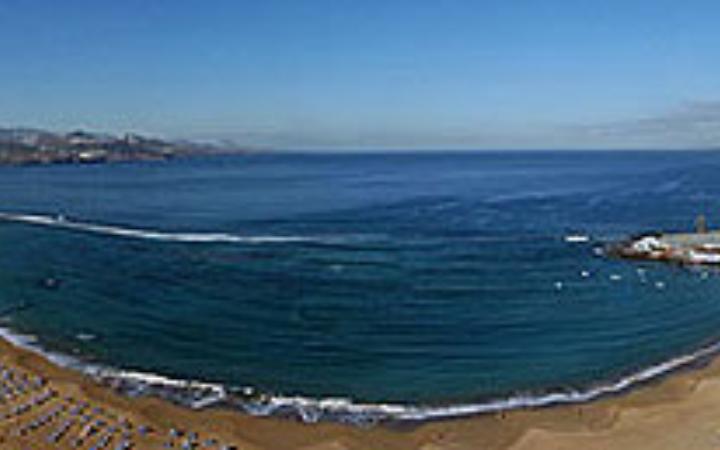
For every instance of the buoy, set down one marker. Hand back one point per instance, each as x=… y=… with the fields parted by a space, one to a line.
x=50 y=283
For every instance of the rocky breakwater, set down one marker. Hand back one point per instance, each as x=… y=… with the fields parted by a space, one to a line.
x=681 y=248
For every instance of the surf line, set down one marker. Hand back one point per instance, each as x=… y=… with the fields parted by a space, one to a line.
x=61 y=221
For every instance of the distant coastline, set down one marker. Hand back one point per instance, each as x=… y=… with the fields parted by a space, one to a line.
x=23 y=147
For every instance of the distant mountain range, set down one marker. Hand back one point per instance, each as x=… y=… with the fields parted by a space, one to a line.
x=23 y=146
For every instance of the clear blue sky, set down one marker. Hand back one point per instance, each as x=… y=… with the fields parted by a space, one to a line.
x=369 y=73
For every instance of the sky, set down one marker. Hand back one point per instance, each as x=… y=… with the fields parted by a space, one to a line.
x=369 y=74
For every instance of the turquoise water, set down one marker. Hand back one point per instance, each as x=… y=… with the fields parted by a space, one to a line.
x=413 y=280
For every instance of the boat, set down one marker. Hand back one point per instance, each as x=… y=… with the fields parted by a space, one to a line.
x=577 y=238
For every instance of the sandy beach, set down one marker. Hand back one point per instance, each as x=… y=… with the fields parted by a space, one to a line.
x=46 y=406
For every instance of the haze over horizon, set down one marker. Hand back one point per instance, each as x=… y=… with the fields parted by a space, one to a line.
x=340 y=74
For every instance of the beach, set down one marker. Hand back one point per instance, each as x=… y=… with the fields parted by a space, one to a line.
x=681 y=410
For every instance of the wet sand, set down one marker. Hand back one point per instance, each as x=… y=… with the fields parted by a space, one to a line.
x=681 y=411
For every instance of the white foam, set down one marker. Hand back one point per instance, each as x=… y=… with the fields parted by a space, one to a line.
x=315 y=409
x=63 y=222
x=85 y=337
x=155 y=379
x=30 y=342
x=344 y=409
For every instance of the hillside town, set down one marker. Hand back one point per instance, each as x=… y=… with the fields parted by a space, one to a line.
x=19 y=146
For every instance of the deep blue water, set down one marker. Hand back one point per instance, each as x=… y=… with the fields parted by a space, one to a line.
x=405 y=278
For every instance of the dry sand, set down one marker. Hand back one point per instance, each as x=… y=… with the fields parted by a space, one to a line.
x=681 y=411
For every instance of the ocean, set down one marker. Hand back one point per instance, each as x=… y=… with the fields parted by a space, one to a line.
x=361 y=287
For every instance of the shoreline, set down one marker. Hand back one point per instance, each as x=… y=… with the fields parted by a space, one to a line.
x=684 y=403
x=196 y=394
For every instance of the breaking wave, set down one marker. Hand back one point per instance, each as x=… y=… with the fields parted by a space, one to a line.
x=111 y=230
x=197 y=394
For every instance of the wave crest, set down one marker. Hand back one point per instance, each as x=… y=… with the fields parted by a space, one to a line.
x=345 y=410
x=200 y=394
x=111 y=230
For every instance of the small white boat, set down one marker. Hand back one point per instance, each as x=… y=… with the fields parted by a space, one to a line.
x=577 y=238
